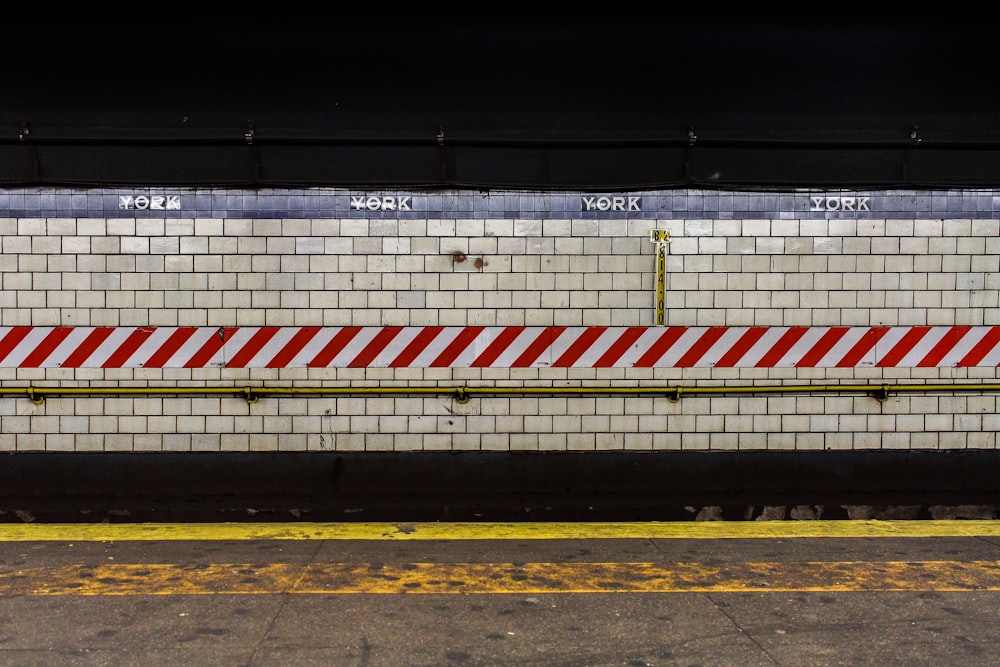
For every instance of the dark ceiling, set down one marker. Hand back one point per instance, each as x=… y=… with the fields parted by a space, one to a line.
x=356 y=101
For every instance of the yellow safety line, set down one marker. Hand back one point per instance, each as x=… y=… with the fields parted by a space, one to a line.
x=123 y=532
x=521 y=578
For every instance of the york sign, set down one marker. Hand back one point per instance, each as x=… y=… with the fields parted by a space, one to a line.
x=149 y=202
x=373 y=203
x=612 y=203
x=839 y=203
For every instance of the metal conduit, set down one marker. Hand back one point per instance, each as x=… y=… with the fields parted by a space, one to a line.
x=880 y=392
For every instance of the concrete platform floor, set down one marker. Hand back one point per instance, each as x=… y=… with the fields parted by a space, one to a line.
x=753 y=593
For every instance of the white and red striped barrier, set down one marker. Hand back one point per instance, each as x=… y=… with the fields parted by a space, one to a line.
x=497 y=347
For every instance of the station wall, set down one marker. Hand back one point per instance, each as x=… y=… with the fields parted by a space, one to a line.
x=111 y=299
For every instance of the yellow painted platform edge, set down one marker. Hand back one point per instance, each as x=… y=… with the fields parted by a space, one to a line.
x=124 y=532
x=336 y=578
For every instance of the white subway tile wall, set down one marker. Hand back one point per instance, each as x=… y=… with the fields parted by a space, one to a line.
x=766 y=271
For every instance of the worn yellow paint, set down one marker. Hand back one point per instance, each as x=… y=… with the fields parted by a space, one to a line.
x=125 y=532
x=473 y=578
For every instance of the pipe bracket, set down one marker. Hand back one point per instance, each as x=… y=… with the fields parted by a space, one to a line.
x=881 y=394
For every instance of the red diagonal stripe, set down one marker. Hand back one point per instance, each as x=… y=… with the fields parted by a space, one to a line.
x=456 y=347
x=83 y=351
x=982 y=348
x=740 y=347
x=903 y=347
x=781 y=347
x=497 y=347
x=45 y=348
x=944 y=346
x=375 y=347
x=660 y=347
x=537 y=347
x=334 y=347
x=293 y=347
x=416 y=346
x=169 y=347
x=822 y=347
x=211 y=346
x=10 y=341
x=700 y=347
x=862 y=347
x=128 y=347
x=619 y=347
x=252 y=347
x=579 y=346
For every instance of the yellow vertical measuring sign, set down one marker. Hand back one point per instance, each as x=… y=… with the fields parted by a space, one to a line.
x=660 y=238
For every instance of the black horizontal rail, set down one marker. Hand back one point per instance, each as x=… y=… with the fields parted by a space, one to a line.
x=241 y=137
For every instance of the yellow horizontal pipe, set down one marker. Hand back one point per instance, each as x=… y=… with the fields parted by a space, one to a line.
x=251 y=393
